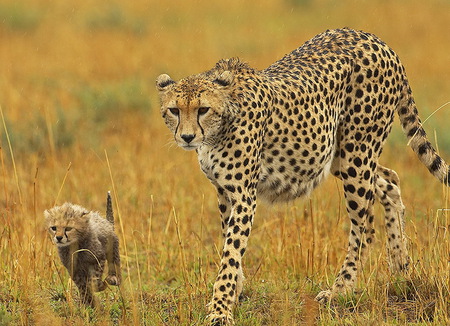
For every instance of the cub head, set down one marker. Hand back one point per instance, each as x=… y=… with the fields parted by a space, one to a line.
x=196 y=108
x=67 y=223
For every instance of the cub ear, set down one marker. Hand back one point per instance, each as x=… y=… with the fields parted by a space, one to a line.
x=225 y=78
x=163 y=81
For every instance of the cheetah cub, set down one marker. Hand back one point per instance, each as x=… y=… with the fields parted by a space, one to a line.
x=85 y=241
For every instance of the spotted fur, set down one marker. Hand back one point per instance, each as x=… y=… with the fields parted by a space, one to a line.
x=327 y=107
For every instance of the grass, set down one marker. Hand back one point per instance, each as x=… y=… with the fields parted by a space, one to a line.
x=19 y=17
x=82 y=117
x=112 y=17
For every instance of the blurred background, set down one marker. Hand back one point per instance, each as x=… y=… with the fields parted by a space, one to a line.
x=74 y=73
x=80 y=116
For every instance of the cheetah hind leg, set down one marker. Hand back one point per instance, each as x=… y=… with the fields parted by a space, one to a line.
x=240 y=283
x=388 y=193
x=344 y=282
x=113 y=258
x=387 y=190
x=361 y=213
x=114 y=275
x=112 y=280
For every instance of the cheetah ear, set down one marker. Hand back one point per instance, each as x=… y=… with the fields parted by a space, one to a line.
x=163 y=81
x=225 y=79
x=85 y=215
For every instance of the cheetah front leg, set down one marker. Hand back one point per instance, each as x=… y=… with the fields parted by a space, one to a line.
x=96 y=274
x=225 y=214
x=237 y=218
x=84 y=285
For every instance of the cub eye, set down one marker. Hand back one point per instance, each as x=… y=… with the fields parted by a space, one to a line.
x=68 y=228
x=174 y=111
x=53 y=228
x=203 y=110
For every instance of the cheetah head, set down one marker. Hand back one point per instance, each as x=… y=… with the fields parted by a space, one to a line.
x=196 y=108
x=66 y=223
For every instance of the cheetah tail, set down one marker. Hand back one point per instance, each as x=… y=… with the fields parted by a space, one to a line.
x=109 y=209
x=417 y=137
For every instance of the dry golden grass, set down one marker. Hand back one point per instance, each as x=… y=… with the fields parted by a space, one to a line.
x=79 y=105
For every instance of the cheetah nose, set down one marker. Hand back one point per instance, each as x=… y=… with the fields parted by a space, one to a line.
x=59 y=238
x=187 y=137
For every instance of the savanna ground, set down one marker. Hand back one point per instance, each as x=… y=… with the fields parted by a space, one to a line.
x=80 y=116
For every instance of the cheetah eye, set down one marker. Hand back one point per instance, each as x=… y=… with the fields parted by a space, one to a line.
x=53 y=228
x=175 y=111
x=68 y=228
x=203 y=110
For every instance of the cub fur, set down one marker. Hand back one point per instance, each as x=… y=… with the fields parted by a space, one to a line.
x=85 y=241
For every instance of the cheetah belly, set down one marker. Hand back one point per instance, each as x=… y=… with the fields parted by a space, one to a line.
x=292 y=183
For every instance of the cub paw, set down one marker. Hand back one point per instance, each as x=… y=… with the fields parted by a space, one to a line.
x=112 y=280
x=99 y=285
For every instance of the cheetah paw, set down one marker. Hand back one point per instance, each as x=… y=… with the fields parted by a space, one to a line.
x=220 y=320
x=324 y=297
x=98 y=285
x=112 y=280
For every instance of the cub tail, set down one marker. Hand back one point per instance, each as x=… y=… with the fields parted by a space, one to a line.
x=109 y=209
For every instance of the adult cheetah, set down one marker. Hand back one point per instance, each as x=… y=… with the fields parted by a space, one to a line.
x=328 y=106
